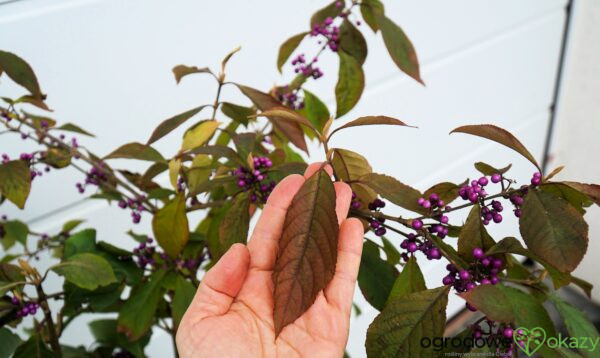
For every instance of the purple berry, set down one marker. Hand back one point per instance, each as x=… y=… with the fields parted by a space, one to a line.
x=435 y=254
x=483 y=181
x=471 y=307
x=470 y=285
x=478 y=253
x=495 y=280
x=448 y=280
x=497 y=263
x=417 y=224
x=485 y=262
x=486 y=281
x=420 y=201
x=380 y=231
x=536 y=181
x=411 y=247
x=496 y=178
x=497 y=218
x=464 y=275
x=508 y=332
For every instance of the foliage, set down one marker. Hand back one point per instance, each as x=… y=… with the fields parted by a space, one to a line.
x=228 y=164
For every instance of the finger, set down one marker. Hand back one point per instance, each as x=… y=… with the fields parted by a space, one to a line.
x=222 y=283
x=265 y=237
x=340 y=290
x=311 y=169
x=343 y=197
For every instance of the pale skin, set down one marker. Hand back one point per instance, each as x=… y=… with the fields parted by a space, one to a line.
x=231 y=314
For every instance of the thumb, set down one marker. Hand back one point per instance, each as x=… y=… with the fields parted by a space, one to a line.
x=222 y=283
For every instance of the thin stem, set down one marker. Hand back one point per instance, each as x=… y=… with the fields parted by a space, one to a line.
x=52 y=336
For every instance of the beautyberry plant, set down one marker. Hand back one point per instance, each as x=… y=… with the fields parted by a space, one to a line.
x=228 y=165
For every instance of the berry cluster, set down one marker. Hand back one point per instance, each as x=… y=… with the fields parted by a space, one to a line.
x=483 y=271
x=435 y=205
x=475 y=191
x=375 y=223
x=307 y=70
x=328 y=30
x=413 y=244
x=96 y=176
x=146 y=255
x=289 y=97
x=495 y=331
x=29 y=158
x=256 y=180
x=25 y=308
x=136 y=207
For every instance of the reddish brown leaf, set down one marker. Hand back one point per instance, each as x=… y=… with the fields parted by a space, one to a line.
x=591 y=190
x=498 y=135
x=307 y=250
x=372 y=120
x=290 y=129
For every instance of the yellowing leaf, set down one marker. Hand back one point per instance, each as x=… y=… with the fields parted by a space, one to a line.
x=199 y=134
x=15 y=182
x=170 y=226
x=174 y=167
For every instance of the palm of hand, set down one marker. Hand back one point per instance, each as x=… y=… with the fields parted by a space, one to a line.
x=232 y=313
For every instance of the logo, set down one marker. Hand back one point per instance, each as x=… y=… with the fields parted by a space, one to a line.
x=529 y=340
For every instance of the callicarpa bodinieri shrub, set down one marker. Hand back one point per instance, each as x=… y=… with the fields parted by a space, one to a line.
x=228 y=165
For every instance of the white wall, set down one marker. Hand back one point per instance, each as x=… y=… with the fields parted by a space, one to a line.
x=575 y=141
x=106 y=65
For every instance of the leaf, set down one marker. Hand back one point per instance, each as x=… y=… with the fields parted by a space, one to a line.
x=174 y=168
x=34 y=101
x=491 y=301
x=15 y=182
x=234 y=225
x=199 y=172
x=291 y=130
x=199 y=134
x=9 y=342
x=71 y=224
x=400 y=48
x=219 y=151
x=227 y=58
x=370 y=10
x=576 y=322
x=307 y=249
x=19 y=71
x=34 y=347
x=497 y=135
x=288 y=47
x=81 y=242
x=399 y=328
x=371 y=120
x=350 y=84
x=352 y=42
x=447 y=191
x=393 y=190
x=15 y=230
x=553 y=173
x=473 y=234
x=392 y=255
x=375 y=276
x=591 y=190
x=138 y=313
x=86 y=270
x=137 y=151
x=314 y=110
x=181 y=71
x=56 y=157
x=553 y=230
x=238 y=113
x=575 y=197
x=70 y=127
x=348 y=165
x=168 y=125
x=409 y=281
x=289 y=115
x=331 y=10
x=105 y=333
x=184 y=293
x=488 y=170
x=170 y=226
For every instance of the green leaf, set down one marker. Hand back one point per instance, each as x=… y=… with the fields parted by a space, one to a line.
x=375 y=276
x=138 y=313
x=371 y=120
x=576 y=198
x=370 y=10
x=307 y=250
x=184 y=293
x=331 y=10
x=238 y=113
x=352 y=42
x=34 y=347
x=350 y=166
x=399 y=328
x=19 y=71
x=86 y=270
x=350 y=84
x=288 y=47
x=447 y=191
x=498 y=135
x=70 y=225
x=314 y=110
x=492 y=301
x=409 y=281
x=576 y=322
x=234 y=225
x=15 y=230
x=392 y=255
x=553 y=230
x=168 y=125
x=473 y=234
x=105 y=333
x=488 y=170
x=170 y=226
x=591 y=190
x=400 y=48
x=70 y=127
x=83 y=241
x=15 y=182
x=181 y=71
x=9 y=342
x=219 y=151
x=291 y=130
x=393 y=190
x=136 y=151
x=199 y=134
x=56 y=157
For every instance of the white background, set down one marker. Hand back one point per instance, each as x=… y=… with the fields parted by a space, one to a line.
x=106 y=66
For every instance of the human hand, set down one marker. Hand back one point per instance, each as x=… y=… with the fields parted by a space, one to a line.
x=231 y=314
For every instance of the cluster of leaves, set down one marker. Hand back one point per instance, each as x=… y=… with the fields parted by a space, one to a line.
x=228 y=170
